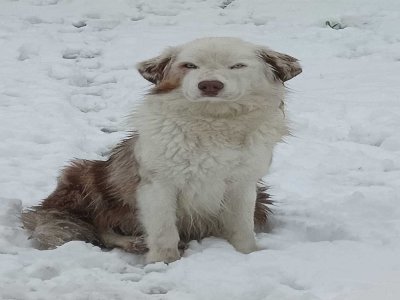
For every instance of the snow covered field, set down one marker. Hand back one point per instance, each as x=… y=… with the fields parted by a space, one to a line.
x=67 y=83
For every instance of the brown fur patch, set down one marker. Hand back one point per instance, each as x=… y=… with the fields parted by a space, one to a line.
x=285 y=67
x=155 y=69
x=166 y=86
x=263 y=203
x=170 y=83
x=172 y=80
x=99 y=191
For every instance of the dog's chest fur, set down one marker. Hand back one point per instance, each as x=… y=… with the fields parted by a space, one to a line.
x=201 y=155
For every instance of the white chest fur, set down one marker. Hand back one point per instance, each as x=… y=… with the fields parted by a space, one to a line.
x=201 y=155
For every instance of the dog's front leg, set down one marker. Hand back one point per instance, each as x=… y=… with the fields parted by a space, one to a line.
x=157 y=207
x=238 y=216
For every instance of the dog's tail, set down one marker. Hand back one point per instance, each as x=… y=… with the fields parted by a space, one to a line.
x=262 y=210
x=51 y=228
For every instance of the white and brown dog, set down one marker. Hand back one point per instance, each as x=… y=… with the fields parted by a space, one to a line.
x=203 y=138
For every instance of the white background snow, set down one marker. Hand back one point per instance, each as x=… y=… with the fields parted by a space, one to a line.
x=67 y=83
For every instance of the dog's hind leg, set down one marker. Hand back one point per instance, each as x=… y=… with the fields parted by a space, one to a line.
x=132 y=244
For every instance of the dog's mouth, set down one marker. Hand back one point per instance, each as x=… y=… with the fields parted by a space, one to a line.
x=211 y=91
x=209 y=94
x=213 y=98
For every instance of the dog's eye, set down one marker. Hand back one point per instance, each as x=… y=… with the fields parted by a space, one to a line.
x=238 y=66
x=190 y=66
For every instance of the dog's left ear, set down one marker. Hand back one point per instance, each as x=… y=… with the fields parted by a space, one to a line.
x=284 y=66
x=155 y=69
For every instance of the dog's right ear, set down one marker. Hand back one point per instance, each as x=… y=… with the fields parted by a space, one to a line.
x=155 y=69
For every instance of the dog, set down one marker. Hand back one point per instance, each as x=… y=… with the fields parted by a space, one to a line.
x=203 y=137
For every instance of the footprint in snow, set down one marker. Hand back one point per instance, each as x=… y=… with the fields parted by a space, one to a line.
x=79 y=24
x=43 y=272
x=155 y=290
x=88 y=103
x=80 y=53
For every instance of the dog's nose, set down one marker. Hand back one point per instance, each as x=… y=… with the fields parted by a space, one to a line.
x=210 y=87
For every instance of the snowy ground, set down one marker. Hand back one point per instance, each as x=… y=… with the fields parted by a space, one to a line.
x=67 y=80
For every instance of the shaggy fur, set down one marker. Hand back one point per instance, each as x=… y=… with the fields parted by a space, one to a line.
x=91 y=203
x=192 y=167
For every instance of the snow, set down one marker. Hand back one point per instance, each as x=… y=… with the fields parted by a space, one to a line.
x=68 y=82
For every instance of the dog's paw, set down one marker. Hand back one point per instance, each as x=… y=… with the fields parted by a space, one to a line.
x=166 y=255
x=136 y=245
x=244 y=245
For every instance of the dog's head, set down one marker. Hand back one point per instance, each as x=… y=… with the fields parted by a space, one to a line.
x=218 y=69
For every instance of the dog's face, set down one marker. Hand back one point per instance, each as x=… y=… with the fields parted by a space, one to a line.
x=218 y=69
